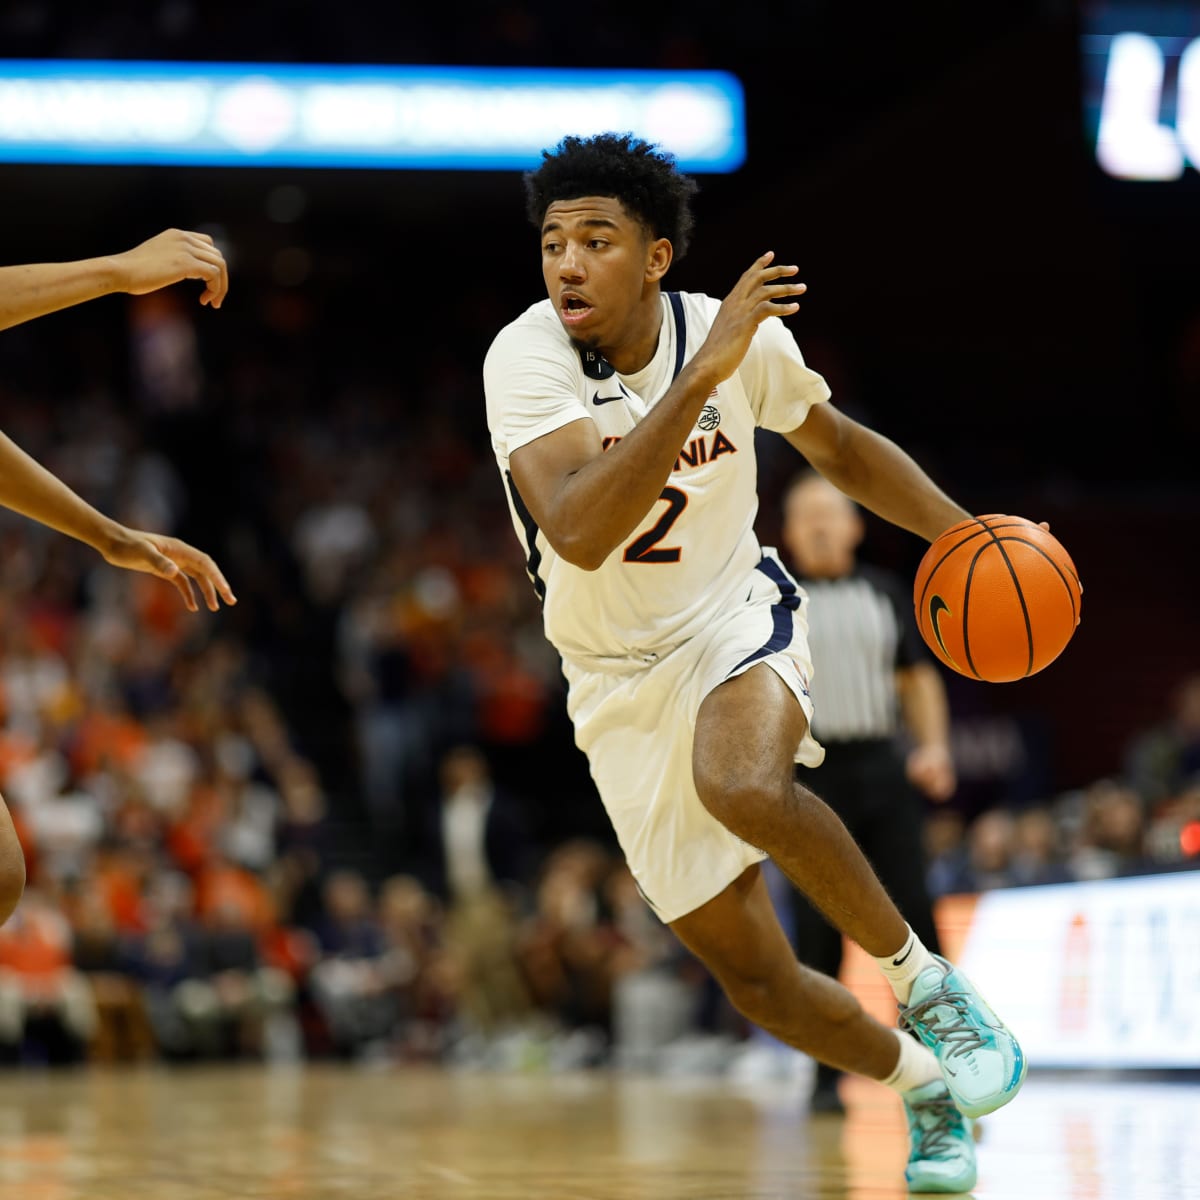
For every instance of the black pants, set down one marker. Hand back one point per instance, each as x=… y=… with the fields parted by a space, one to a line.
x=865 y=784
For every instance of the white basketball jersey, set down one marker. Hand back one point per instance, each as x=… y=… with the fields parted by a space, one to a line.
x=682 y=565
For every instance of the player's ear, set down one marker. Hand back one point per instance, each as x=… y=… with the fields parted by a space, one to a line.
x=659 y=253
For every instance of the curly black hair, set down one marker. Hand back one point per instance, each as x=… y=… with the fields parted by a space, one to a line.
x=642 y=176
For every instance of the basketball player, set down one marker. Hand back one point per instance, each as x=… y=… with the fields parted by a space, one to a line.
x=622 y=418
x=873 y=677
x=33 y=290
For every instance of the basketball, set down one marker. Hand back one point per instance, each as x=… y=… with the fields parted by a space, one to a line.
x=997 y=598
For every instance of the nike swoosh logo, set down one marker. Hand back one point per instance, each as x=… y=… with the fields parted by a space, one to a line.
x=937 y=606
x=897 y=962
x=598 y=399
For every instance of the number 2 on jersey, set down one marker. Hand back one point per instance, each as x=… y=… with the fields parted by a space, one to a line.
x=645 y=548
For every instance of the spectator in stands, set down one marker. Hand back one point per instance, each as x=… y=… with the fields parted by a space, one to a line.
x=236 y=993
x=418 y=967
x=944 y=837
x=167 y=766
x=301 y=835
x=1173 y=834
x=476 y=840
x=1164 y=758
x=168 y=961
x=123 y=1032
x=568 y=946
x=247 y=996
x=988 y=859
x=377 y=675
x=1037 y=848
x=349 y=984
x=40 y=988
x=64 y=816
x=478 y=862
x=1111 y=838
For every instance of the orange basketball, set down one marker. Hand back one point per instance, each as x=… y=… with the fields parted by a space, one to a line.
x=997 y=598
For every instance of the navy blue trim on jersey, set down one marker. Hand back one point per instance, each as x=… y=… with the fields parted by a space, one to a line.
x=643 y=895
x=530 y=526
x=784 y=628
x=680 y=332
x=788 y=596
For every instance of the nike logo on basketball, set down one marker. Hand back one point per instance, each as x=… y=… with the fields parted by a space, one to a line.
x=937 y=606
x=598 y=399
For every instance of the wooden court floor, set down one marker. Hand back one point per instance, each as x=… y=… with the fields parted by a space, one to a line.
x=315 y=1132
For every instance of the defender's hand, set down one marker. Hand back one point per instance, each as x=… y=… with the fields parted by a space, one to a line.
x=171 y=256
x=173 y=560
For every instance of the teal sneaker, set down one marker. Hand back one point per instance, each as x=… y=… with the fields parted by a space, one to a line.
x=981 y=1061
x=941 y=1154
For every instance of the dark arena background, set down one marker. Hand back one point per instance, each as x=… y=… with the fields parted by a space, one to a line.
x=240 y=967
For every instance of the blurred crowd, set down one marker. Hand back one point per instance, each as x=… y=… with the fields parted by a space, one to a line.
x=277 y=832
x=204 y=884
x=1144 y=819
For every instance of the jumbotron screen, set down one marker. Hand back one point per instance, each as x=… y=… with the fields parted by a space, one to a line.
x=1141 y=69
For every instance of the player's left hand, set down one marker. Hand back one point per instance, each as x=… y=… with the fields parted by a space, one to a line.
x=930 y=768
x=174 y=561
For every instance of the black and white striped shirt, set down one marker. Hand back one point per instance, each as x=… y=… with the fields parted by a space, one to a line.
x=861 y=628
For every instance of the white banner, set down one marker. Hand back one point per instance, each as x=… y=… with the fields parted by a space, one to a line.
x=1100 y=974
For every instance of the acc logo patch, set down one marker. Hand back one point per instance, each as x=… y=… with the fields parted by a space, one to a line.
x=710 y=417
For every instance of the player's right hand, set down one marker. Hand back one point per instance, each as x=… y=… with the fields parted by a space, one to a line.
x=761 y=292
x=171 y=256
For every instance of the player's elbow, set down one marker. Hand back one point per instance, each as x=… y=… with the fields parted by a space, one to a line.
x=583 y=554
x=579 y=547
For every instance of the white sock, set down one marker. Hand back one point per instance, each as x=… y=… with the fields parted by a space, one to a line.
x=903 y=967
x=915 y=1067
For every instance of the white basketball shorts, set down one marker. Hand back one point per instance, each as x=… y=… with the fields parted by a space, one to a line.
x=636 y=727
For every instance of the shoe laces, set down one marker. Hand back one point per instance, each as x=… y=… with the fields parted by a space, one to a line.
x=958 y=1031
x=938 y=1122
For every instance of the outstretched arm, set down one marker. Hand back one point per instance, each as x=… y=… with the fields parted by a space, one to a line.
x=35 y=289
x=28 y=488
x=874 y=471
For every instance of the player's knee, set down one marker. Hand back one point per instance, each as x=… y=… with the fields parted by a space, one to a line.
x=743 y=801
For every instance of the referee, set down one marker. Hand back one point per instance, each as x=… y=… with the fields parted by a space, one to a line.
x=880 y=711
